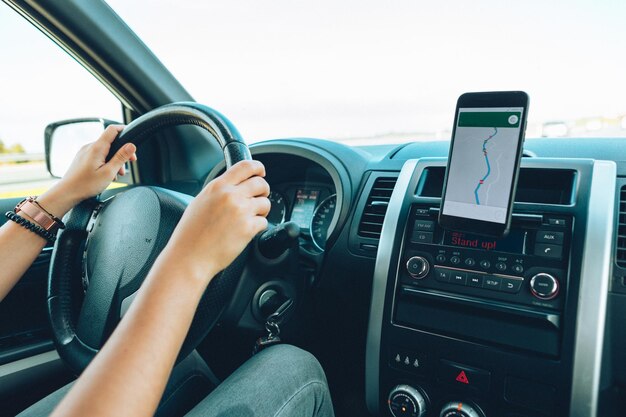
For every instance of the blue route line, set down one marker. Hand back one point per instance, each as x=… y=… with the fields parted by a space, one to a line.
x=480 y=182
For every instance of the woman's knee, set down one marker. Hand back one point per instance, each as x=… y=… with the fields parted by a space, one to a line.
x=293 y=363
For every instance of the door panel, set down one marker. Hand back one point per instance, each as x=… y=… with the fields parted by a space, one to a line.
x=29 y=366
x=24 y=329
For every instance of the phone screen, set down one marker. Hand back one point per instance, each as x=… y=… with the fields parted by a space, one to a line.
x=483 y=163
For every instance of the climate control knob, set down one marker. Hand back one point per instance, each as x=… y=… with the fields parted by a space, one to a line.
x=406 y=401
x=417 y=267
x=544 y=286
x=460 y=409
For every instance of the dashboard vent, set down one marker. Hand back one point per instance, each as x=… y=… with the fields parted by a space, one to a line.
x=620 y=255
x=371 y=222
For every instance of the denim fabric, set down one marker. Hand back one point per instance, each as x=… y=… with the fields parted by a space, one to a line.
x=280 y=381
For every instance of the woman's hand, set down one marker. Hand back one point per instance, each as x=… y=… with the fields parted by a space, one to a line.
x=88 y=174
x=221 y=221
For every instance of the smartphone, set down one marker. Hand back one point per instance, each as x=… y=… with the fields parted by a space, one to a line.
x=483 y=162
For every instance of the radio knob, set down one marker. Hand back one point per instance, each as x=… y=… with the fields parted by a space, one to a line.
x=406 y=401
x=544 y=286
x=460 y=409
x=418 y=267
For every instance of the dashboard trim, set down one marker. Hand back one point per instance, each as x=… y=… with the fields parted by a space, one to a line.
x=594 y=287
x=381 y=270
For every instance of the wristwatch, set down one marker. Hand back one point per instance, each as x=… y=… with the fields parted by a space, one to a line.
x=30 y=207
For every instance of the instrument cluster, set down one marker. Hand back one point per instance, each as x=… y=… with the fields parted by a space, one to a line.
x=310 y=205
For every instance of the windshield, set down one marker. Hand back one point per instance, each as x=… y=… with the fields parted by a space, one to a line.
x=390 y=72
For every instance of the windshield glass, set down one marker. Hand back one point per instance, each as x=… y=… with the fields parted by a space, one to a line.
x=388 y=72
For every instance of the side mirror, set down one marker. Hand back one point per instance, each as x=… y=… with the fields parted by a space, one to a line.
x=65 y=138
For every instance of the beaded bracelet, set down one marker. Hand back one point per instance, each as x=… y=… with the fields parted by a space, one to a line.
x=35 y=228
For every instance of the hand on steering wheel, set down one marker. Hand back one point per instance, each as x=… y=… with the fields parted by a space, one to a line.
x=89 y=174
x=234 y=205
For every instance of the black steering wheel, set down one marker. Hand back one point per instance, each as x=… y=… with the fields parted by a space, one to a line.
x=111 y=245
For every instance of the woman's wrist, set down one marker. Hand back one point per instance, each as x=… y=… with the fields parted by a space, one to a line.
x=180 y=264
x=58 y=200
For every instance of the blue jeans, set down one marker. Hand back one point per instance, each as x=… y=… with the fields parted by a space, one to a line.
x=280 y=381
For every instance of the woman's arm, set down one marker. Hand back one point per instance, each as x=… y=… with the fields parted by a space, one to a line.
x=87 y=176
x=129 y=374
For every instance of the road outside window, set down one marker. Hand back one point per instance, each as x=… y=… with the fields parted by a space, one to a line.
x=40 y=84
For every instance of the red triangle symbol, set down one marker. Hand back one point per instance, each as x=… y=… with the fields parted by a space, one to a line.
x=462 y=378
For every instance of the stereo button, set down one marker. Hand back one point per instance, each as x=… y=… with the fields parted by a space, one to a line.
x=485 y=264
x=511 y=285
x=546 y=236
x=548 y=251
x=441 y=258
x=417 y=267
x=544 y=286
x=475 y=280
x=442 y=275
x=501 y=266
x=556 y=222
x=424 y=225
x=517 y=268
x=455 y=260
x=422 y=237
x=492 y=283
x=470 y=262
x=458 y=277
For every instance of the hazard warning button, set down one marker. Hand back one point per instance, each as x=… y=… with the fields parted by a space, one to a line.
x=464 y=376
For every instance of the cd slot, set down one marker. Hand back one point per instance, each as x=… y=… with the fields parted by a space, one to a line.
x=517 y=219
x=479 y=321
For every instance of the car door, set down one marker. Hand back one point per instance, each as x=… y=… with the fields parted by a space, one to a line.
x=40 y=84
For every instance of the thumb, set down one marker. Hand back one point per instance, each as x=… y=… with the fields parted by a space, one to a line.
x=123 y=155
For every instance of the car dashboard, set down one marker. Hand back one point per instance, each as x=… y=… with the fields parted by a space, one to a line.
x=438 y=320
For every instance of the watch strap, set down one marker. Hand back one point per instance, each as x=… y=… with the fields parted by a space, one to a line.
x=38 y=214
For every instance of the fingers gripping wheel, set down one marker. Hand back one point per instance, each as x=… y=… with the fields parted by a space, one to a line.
x=120 y=247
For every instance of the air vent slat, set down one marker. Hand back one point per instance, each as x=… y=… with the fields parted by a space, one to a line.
x=371 y=225
x=373 y=218
x=373 y=235
x=371 y=222
x=620 y=251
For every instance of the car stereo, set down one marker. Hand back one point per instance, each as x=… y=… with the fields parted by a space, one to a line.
x=528 y=266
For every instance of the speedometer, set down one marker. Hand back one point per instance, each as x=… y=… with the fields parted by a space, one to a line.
x=321 y=221
x=279 y=208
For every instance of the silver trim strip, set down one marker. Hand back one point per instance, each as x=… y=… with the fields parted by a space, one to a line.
x=26 y=363
x=381 y=271
x=473 y=271
x=594 y=286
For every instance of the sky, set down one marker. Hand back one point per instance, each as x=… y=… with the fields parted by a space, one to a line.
x=337 y=69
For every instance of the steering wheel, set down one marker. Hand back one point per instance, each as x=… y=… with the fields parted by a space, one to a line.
x=111 y=245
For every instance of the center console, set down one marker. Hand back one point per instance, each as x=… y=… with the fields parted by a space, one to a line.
x=469 y=326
